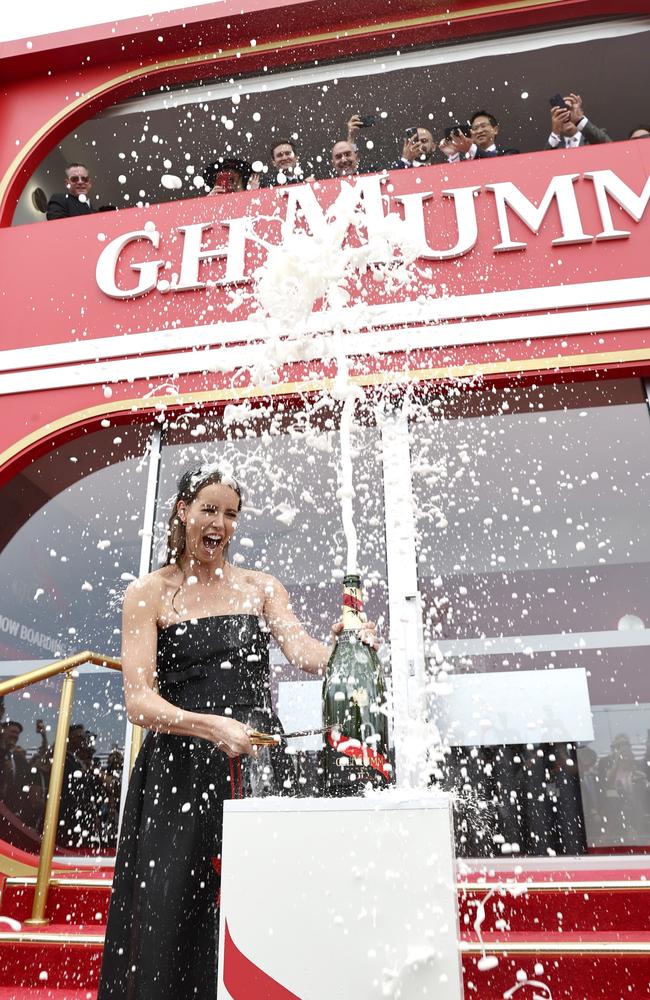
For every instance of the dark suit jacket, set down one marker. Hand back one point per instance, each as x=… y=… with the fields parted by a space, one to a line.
x=591 y=135
x=499 y=151
x=401 y=165
x=62 y=206
x=270 y=179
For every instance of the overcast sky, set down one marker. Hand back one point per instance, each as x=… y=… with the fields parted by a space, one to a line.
x=40 y=17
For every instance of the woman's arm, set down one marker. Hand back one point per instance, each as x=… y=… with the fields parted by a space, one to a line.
x=144 y=706
x=298 y=647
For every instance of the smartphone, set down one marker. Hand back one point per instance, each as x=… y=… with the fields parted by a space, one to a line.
x=225 y=180
x=366 y=121
x=557 y=101
x=456 y=127
x=411 y=132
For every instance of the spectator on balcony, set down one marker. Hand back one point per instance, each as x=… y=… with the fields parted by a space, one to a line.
x=640 y=132
x=481 y=142
x=226 y=175
x=345 y=160
x=75 y=200
x=284 y=166
x=418 y=149
x=418 y=146
x=625 y=778
x=570 y=126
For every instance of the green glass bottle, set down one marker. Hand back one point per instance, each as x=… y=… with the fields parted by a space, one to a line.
x=354 y=706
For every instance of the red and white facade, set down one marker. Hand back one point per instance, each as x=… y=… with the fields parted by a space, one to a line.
x=525 y=325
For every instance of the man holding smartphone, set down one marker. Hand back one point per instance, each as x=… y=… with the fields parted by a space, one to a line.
x=570 y=126
x=481 y=143
x=418 y=149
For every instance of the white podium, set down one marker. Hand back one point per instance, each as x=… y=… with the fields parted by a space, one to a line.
x=329 y=899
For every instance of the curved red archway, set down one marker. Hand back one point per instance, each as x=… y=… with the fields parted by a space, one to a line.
x=50 y=90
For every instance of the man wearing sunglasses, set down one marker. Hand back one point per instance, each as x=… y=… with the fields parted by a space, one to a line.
x=75 y=200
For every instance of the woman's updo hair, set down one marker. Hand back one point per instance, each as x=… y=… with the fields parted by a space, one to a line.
x=189 y=486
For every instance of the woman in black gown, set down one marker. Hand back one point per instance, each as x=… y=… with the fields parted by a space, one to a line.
x=195 y=667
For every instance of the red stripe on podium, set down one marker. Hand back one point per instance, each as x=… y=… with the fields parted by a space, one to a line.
x=244 y=980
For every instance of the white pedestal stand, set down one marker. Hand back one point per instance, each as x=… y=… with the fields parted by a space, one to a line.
x=349 y=899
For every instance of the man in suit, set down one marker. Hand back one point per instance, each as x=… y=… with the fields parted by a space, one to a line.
x=570 y=126
x=418 y=149
x=284 y=167
x=75 y=199
x=344 y=159
x=481 y=144
x=15 y=775
x=418 y=145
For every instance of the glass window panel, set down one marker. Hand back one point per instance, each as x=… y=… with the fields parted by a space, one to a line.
x=68 y=545
x=534 y=554
x=532 y=515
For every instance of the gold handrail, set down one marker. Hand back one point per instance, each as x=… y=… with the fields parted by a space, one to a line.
x=58 y=667
x=51 y=819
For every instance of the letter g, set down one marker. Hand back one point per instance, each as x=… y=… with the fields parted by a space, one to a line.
x=105 y=272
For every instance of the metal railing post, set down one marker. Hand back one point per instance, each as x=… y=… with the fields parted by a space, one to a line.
x=51 y=821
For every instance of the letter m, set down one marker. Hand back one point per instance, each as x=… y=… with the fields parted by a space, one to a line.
x=607 y=183
x=332 y=225
x=561 y=189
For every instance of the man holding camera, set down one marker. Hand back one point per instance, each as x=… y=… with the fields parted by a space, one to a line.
x=418 y=146
x=418 y=149
x=570 y=126
x=476 y=142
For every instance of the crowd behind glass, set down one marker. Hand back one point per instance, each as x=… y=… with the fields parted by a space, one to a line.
x=481 y=136
x=534 y=799
x=90 y=797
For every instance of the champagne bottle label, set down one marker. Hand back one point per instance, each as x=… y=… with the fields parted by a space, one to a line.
x=360 y=753
x=352 y=603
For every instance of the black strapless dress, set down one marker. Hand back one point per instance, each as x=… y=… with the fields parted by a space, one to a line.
x=161 y=936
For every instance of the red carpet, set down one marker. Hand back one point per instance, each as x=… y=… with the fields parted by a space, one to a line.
x=570 y=935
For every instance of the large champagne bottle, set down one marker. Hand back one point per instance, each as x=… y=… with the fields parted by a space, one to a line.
x=354 y=706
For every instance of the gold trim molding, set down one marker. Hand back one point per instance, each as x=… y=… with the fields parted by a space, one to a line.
x=45 y=937
x=16 y=869
x=555 y=948
x=407 y=377
x=617 y=885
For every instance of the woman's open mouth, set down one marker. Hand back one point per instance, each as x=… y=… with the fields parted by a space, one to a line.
x=212 y=542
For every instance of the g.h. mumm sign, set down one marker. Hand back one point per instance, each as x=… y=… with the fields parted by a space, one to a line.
x=302 y=209
x=169 y=290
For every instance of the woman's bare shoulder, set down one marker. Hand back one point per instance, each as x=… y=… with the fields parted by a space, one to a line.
x=152 y=588
x=264 y=582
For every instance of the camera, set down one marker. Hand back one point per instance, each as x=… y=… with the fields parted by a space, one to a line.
x=464 y=129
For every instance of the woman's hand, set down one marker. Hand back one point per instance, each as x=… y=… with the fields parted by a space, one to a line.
x=367 y=633
x=232 y=737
